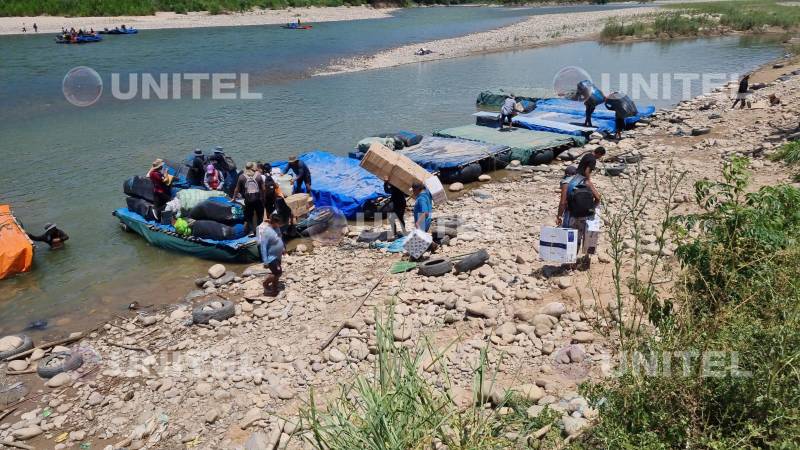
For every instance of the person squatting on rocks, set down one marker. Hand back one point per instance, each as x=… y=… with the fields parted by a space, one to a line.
x=53 y=236
x=272 y=250
x=251 y=186
x=579 y=198
x=398 y=213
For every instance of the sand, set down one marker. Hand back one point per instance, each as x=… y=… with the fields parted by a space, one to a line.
x=53 y=24
x=531 y=32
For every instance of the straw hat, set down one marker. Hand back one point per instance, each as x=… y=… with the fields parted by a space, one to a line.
x=292 y=159
x=158 y=163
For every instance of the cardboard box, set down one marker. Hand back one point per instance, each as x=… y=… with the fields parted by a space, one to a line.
x=401 y=171
x=300 y=204
x=417 y=243
x=437 y=190
x=558 y=245
x=590 y=241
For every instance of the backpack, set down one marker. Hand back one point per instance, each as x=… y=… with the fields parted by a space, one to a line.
x=252 y=190
x=580 y=199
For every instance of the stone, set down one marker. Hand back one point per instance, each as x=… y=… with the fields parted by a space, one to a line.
x=481 y=309
x=26 y=432
x=260 y=312
x=202 y=388
x=216 y=271
x=583 y=337
x=284 y=392
x=62 y=379
x=576 y=354
x=402 y=330
x=336 y=355
x=543 y=323
x=148 y=320
x=257 y=441
x=530 y=392
x=490 y=392
x=9 y=343
x=485 y=177
x=455 y=187
x=37 y=354
x=95 y=398
x=555 y=309
x=564 y=282
x=524 y=314
x=77 y=435
x=252 y=415
x=534 y=411
x=301 y=248
x=18 y=365
x=573 y=425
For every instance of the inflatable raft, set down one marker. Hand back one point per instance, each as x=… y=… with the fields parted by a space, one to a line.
x=119 y=31
x=294 y=26
x=527 y=146
x=79 y=39
x=458 y=160
x=164 y=236
x=16 y=249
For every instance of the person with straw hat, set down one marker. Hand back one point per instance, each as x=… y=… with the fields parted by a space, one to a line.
x=53 y=236
x=302 y=175
x=251 y=185
x=161 y=194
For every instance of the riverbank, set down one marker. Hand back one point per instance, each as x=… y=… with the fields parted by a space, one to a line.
x=53 y=24
x=153 y=379
x=532 y=32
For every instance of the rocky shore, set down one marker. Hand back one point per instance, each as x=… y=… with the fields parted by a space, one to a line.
x=159 y=380
x=53 y=24
x=531 y=32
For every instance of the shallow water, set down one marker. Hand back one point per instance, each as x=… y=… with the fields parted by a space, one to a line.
x=67 y=164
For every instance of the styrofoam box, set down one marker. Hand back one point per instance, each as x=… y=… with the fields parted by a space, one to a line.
x=437 y=190
x=558 y=245
x=418 y=241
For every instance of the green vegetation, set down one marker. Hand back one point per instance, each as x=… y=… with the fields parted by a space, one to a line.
x=399 y=407
x=739 y=315
x=84 y=8
x=693 y=19
x=790 y=154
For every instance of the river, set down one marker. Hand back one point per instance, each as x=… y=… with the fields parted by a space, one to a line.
x=66 y=164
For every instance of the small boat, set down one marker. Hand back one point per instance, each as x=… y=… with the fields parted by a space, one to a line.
x=16 y=249
x=242 y=250
x=85 y=39
x=119 y=31
x=294 y=26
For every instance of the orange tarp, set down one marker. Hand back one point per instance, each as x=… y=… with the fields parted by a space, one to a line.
x=16 y=250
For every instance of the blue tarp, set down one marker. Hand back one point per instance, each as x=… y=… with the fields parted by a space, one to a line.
x=575 y=108
x=436 y=153
x=339 y=182
x=562 y=123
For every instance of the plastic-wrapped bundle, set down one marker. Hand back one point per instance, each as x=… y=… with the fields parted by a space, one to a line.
x=139 y=187
x=140 y=207
x=208 y=229
x=364 y=144
x=218 y=209
x=192 y=197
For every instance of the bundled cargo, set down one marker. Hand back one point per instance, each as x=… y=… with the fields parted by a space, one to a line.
x=365 y=144
x=141 y=207
x=16 y=249
x=192 y=197
x=208 y=229
x=139 y=187
x=218 y=209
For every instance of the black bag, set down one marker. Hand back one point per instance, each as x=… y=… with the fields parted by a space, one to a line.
x=139 y=187
x=141 y=207
x=219 y=211
x=208 y=229
x=621 y=103
x=580 y=201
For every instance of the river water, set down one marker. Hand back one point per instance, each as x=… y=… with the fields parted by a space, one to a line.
x=66 y=164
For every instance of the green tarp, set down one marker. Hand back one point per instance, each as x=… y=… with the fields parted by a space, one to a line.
x=492 y=99
x=524 y=144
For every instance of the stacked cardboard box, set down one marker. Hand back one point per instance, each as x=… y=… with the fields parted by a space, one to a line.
x=401 y=171
x=300 y=204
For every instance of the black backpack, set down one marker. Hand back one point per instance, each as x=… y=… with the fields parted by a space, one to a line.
x=580 y=201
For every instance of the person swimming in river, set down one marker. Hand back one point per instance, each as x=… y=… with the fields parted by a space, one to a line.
x=53 y=236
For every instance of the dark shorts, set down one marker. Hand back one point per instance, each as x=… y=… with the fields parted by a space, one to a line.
x=619 y=123
x=275 y=267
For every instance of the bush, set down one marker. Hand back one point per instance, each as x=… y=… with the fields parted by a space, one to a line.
x=740 y=297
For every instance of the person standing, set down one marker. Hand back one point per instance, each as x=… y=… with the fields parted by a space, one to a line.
x=741 y=93
x=35 y=28
x=272 y=250
x=586 y=89
x=251 y=185
x=196 y=168
x=161 y=192
x=507 y=111
x=302 y=175
x=423 y=210
x=579 y=197
x=53 y=236
x=398 y=213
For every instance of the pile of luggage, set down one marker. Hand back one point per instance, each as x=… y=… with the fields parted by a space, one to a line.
x=392 y=141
